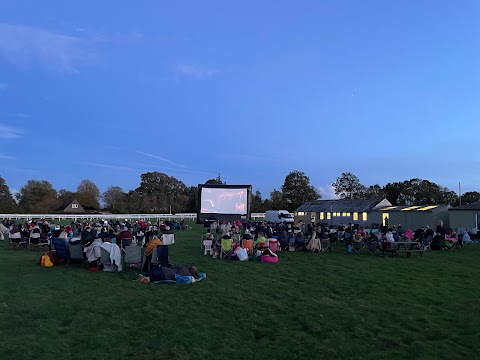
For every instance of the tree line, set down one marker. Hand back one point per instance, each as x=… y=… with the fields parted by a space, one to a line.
x=161 y=193
x=409 y=192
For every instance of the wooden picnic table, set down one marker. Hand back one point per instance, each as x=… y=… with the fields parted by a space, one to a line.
x=407 y=247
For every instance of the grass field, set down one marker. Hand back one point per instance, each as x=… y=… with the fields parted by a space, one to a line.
x=310 y=306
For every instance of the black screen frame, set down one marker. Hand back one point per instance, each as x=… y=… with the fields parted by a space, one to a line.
x=223 y=217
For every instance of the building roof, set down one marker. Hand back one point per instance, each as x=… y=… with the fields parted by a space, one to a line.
x=472 y=206
x=343 y=205
x=414 y=208
x=66 y=206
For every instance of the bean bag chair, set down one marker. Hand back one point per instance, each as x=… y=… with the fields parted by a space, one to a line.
x=269 y=256
x=269 y=259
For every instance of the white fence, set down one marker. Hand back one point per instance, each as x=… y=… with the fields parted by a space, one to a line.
x=75 y=217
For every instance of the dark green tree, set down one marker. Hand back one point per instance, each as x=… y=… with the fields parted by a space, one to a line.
x=448 y=197
x=7 y=203
x=348 y=186
x=192 y=194
x=392 y=192
x=277 y=201
x=37 y=196
x=257 y=202
x=88 y=194
x=65 y=195
x=296 y=189
x=374 y=191
x=470 y=197
x=217 y=181
x=114 y=199
x=161 y=192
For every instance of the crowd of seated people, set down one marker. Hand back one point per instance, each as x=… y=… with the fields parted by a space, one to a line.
x=317 y=237
x=89 y=235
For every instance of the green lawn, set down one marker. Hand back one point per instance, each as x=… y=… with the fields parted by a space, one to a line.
x=322 y=306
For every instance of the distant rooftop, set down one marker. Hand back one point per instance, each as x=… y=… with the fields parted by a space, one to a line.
x=344 y=205
x=472 y=206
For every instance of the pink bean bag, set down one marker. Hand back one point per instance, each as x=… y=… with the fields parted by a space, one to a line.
x=269 y=259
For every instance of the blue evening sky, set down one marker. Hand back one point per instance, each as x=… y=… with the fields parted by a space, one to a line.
x=251 y=90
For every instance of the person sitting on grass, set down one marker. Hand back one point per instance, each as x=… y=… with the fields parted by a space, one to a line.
x=283 y=240
x=92 y=254
x=357 y=237
x=15 y=234
x=261 y=240
x=372 y=238
x=389 y=236
x=314 y=244
x=450 y=239
x=218 y=245
x=300 y=240
x=87 y=235
x=247 y=235
x=437 y=242
x=124 y=234
x=149 y=250
x=466 y=237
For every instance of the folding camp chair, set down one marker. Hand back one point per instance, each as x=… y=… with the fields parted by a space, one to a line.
x=425 y=245
x=326 y=245
x=76 y=253
x=248 y=245
x=226 y=247
x=61 y=249
x=125 y=242
x=333 y=238
x=357 y=247
x=154 y=260
x=159 y=256
x=14 y=242
x=43 y=242
x=133 y=255
x=207 y=244
x=372 y=246
x=273 y=245
x=34 y=241
x=105 y=260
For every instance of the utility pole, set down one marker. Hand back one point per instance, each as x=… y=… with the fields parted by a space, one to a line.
x=460 y=193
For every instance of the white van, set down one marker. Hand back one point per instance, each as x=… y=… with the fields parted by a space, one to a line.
x=278 y=216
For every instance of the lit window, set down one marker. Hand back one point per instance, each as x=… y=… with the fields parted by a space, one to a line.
x=329 y=216
x=355 y=216
x=322 y=216
x=364 y=216
x=348 y=214
x=301 y=213
x=344 y=214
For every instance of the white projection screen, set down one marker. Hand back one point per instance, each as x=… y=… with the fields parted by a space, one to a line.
x=224 y=202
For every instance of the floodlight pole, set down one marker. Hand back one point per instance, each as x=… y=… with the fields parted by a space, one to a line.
x=460 y=193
